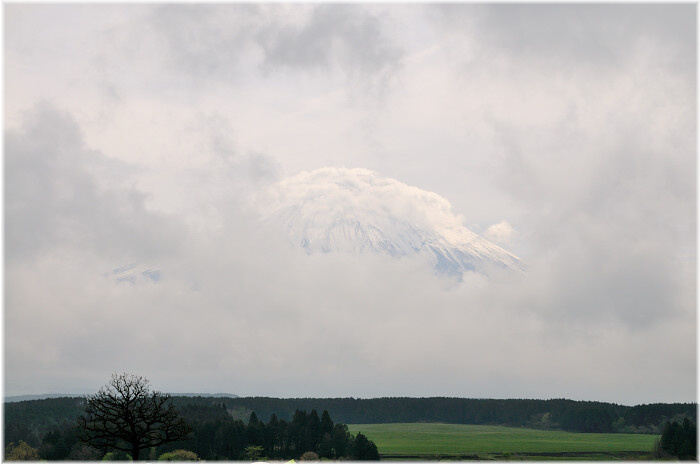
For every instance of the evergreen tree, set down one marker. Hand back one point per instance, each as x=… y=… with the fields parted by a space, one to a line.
x=680 y=440
x=312 y=432
x=255 y=434
x=326 y=423
x=325 y=447
x=340 y=440
x=296 y=431
x=272 y=436
x=53 y=446
x=364 y=449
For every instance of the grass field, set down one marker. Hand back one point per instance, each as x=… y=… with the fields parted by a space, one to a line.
x=426 y=440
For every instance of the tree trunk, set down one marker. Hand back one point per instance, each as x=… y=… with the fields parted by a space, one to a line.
x=135 y=452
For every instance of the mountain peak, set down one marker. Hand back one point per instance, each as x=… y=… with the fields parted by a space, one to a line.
x=357 y=211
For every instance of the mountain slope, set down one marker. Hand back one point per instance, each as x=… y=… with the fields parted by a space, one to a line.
x=358 y=211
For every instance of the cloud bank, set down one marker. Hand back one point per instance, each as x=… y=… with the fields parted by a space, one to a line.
x=145 y=145
x=335 y=192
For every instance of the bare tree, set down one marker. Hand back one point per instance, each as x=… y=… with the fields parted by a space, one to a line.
x=126 y=415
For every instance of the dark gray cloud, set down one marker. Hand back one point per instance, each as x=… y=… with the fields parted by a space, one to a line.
x=223 y=41
x=342 y=36
x=589 y=35
x=207 y=40
x=54 y=198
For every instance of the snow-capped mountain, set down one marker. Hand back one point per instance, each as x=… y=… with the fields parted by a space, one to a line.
x=357 y=211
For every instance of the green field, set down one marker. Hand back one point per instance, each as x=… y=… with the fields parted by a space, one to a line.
x=427 y=440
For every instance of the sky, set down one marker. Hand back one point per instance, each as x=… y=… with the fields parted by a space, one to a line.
x=147 y=135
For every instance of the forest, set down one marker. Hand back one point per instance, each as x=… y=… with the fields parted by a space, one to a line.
x=215 y=435
x=226 y=428
x=567 y=415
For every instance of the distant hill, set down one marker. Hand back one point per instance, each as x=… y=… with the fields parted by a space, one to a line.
x=39 y=397
x=9 y=399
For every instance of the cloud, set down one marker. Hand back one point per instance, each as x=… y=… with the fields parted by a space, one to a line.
x=333 y=35
x=575 y=124
x=586 y=35
x=357 y=190
x=360 y=325
x=54 y=197
x=227 y=41
x=208 y=40
x=239 y=165
x=595 y=138
x=501 y=233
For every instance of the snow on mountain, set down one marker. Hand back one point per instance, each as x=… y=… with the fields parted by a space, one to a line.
x=358 y=211
x=135 y=273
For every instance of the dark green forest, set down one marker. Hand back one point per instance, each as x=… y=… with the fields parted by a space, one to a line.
x=223 y=428
x=215 y=435
x=568 y=415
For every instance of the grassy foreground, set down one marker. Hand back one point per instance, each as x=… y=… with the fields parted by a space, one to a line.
x=428 y=440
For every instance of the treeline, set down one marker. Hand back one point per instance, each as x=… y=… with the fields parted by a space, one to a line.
x=31 y=420
x=563 y=414
x=215 y=435
x=226 y=438
x=215 y=418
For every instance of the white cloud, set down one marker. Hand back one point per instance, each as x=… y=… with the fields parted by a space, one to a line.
x=501 y=233
x=358 y=189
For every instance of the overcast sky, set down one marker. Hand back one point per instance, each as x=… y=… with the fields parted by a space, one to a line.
x=148 y=133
